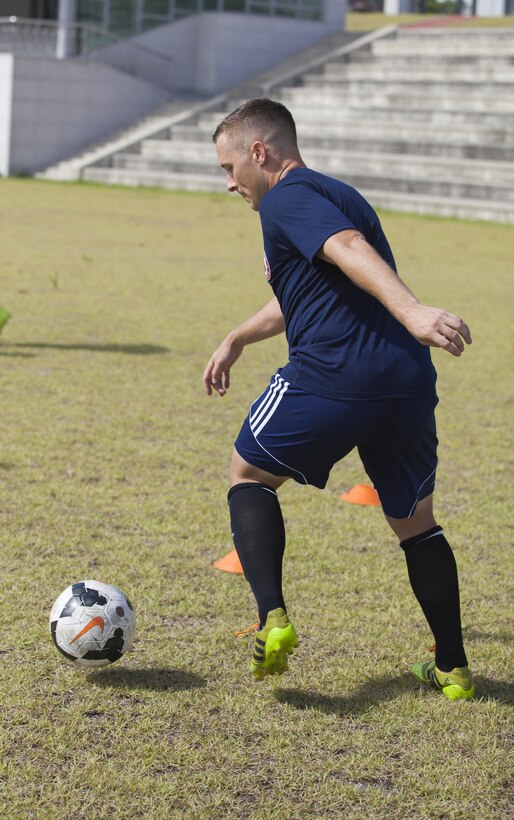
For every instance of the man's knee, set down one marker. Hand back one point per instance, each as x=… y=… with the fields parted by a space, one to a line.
x=421 y=521
x=241 y=471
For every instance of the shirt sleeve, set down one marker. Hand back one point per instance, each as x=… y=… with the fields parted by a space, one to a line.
x=303 y=218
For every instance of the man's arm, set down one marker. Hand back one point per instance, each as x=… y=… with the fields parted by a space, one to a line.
x=264 y=324
x=366 y=268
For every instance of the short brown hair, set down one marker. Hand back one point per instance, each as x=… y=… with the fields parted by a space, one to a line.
x=270 y=115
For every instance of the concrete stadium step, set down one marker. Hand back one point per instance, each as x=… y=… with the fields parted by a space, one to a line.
x=325 y=113
x=444 y=43
x=411 y=86
x=408 y=201
x=155 y=179
x=396 y=141
x=406 y=96
x=441 y=73
x=330 y=111
x=453 y=174
x=324 y=125
x=367 y=58
x=472 y=123
x=488 y=210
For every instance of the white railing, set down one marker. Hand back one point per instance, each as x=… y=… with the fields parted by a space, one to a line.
x=80 y=41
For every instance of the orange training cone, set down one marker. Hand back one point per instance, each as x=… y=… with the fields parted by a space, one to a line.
x=229 y=563
x=362 y=494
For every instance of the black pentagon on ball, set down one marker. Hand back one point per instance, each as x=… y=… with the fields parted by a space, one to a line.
x=112 y=650
x=82 y=596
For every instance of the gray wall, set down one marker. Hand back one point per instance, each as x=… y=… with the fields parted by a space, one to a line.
x=213 y=52
x=60 y=106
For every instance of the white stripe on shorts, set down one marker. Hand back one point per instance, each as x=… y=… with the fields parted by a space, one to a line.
x=268 y=406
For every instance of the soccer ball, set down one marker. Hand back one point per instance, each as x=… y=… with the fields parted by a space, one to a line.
x=92 y=623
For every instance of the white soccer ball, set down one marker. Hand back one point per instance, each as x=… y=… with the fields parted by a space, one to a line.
x=92 y=623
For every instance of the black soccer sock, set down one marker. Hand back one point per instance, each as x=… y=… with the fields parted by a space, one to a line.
x=433 y=576
x=259 y=538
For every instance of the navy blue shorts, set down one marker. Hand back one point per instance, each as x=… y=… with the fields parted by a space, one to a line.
x=289 y=432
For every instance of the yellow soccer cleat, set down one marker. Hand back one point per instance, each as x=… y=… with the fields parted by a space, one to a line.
x=456 y=685
x=273 y=643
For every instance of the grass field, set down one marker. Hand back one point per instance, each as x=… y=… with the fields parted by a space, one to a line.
x=113 y=466
x=364 y=21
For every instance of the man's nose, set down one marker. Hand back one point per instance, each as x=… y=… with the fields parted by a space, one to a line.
x=231 y=185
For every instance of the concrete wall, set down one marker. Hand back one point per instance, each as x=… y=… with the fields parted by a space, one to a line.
x=60 y=106
x=6 y=72
x=213 y=52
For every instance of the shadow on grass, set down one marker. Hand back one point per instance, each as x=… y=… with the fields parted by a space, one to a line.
x=501 y=691
x=370 y=694
x=379 y=690
x=132 y=350
x=473 y=634
x=159 y=680
x=17 y=355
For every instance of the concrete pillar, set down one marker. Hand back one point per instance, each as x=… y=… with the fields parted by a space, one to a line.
x=399 y=6
x=490 y=8
x=334 y=14
x=6 y=84
x=66 y=31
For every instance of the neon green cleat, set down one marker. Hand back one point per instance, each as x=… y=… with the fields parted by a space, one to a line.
x=457 y=684
x=273 y=643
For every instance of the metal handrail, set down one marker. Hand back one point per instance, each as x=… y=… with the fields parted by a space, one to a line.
x=86 y=42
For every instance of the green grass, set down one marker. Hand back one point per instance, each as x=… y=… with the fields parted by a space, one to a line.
x=364 y=21
x=113 y=466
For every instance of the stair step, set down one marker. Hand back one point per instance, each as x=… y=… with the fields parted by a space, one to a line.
x=439 y=97
x=406 y=85
x=412 y=202
x=152 y=178
x=323 y=112
x=387 y=137
x=354 y=173
x=202 y=154
x=472 y=75
x=367 y=58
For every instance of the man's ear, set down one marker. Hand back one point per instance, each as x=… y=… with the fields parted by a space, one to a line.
x=259 y=152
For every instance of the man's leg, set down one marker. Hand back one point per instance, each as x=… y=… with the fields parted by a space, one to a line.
x=259 y=538
x=258 y=531
x=434 y=580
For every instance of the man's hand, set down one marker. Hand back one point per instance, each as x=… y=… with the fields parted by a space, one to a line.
x=217 y=372
x=437 y=328
x=267 y=322
x=362 y=264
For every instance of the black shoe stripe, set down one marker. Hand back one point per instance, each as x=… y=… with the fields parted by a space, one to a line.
x=261 y=643
x=431 y=675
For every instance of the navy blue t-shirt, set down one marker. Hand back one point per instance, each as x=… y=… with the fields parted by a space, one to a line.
x=342 y=342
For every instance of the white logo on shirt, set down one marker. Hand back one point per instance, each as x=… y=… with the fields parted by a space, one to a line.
x=267 y=269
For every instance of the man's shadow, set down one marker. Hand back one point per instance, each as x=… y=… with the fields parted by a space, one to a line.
x=129 y=349
x=378 y=690
x=158 y=680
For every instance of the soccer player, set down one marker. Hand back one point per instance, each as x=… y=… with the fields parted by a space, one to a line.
x=359 y=375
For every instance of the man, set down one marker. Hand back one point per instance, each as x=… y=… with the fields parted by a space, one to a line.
x=359 y=375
